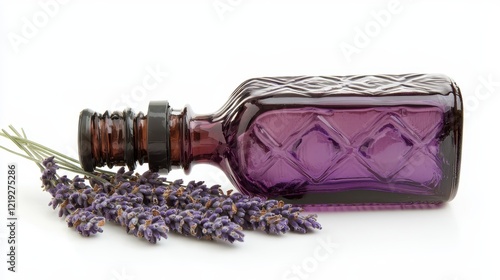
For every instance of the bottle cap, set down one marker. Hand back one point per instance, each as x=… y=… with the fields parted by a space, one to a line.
x=159 y=136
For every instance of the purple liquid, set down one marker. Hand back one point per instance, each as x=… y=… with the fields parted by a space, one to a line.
x=392 y=149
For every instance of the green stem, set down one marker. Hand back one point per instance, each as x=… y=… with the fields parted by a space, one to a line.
x=18 y=144
x=37 y=152
x=29 y=146
x=42 y=147
x=18 y=154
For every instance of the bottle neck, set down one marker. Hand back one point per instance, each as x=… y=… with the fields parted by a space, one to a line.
x=173 y=139
x=194 y=139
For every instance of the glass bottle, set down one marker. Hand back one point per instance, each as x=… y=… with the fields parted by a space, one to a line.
x=309 y=140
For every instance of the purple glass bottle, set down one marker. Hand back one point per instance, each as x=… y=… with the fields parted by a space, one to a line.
x=324 y=140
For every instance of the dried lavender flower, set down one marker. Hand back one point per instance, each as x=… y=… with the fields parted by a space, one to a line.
x=85 y=222
x=136 y=201
x=49 y=173
x=201 y=225
x=142 y=223
x=270 y=216
x=148 y=206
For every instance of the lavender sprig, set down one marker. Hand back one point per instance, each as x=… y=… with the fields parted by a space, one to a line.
x=148 y=206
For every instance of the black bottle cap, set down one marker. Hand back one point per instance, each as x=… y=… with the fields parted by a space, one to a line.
x=159 y=136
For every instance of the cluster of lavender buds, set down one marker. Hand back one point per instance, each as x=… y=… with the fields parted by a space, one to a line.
x=148 y=206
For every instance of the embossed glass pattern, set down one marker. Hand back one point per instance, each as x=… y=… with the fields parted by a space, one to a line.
x=354 y=139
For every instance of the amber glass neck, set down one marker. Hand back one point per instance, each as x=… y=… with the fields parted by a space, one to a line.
x=194 y=139
x=124 y=138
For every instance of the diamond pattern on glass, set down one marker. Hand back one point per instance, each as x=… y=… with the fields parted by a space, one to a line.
x=386 y=151
x=381 y=146
x=315 y=164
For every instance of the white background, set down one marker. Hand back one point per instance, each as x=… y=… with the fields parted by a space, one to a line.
x=94 y=54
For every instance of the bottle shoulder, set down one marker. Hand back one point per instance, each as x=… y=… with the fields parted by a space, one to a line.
x=361 y=90
x=257 y=96
x=376 y=85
